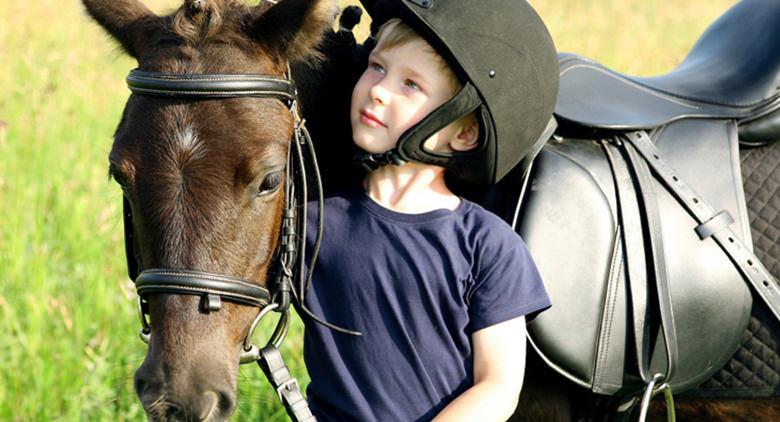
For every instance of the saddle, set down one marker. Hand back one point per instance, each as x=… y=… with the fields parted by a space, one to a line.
x=636 y=217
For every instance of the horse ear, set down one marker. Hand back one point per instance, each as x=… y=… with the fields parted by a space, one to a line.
x=129 y=21
x=294 y=28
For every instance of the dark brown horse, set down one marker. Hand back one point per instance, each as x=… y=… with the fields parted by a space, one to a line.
x=202 y=178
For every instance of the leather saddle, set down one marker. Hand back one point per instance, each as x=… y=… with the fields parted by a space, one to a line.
x=635 y=213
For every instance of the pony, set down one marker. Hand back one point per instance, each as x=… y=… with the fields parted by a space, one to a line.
x=202 y=179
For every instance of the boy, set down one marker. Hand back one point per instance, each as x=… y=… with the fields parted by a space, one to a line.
x=438 y=286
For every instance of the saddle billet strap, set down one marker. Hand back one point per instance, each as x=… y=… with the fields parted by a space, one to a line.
x=745 y=261
x=272 y=364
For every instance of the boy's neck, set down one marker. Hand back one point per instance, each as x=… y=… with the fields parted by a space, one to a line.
x=412 y=188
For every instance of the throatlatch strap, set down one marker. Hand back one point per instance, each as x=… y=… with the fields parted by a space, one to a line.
x=744 y=260
x=286 y=386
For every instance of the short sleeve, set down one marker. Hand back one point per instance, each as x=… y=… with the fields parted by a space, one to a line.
x=506 y=286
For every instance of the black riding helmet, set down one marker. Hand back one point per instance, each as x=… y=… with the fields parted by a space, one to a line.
x=506 y=61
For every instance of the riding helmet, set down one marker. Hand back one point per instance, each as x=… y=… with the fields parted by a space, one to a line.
x=506 y=61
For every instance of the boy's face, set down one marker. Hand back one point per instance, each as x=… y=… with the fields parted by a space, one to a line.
x=399 y=88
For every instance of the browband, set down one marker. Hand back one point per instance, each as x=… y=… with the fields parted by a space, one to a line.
x=209 y=86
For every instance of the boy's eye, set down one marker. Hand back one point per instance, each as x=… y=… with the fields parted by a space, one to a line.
x=376 y=67
x=412 y=84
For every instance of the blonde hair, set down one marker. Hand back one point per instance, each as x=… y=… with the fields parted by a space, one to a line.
x=395 y=32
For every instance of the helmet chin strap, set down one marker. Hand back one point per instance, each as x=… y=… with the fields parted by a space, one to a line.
x=370 y=162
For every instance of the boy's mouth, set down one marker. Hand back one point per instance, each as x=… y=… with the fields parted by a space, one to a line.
x=370 y=119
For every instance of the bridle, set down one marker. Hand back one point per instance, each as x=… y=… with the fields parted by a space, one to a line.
x=287 y=270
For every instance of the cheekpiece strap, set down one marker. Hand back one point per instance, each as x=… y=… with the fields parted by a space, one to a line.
x=370 y=162
x=209 y=86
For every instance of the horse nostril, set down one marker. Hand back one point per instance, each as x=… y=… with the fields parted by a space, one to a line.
x=219 y=403
x=226 y=402
x=140 y=385
x=209 y=403
x=174 y=413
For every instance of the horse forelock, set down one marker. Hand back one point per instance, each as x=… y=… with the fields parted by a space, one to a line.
x=199 y=21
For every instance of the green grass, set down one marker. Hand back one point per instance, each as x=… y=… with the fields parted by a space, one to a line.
x=67 y=311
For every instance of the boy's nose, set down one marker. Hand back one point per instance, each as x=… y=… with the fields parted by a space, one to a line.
x=380 y=94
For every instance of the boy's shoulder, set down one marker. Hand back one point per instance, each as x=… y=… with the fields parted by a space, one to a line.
x=476 y=217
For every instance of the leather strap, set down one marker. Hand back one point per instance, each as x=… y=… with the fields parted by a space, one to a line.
x=272 y=364
x=634 y=252
x=201 y=283
x=660 y=275
x=371 y=162
x=746 y=262
x=715 y=224
x=640 y=225
x=209 y=86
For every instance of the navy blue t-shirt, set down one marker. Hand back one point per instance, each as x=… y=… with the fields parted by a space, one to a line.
x=417 y=286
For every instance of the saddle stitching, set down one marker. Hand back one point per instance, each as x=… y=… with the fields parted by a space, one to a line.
x=633 y=84
x=204 y=290
x=616 y=269
x=166 y=93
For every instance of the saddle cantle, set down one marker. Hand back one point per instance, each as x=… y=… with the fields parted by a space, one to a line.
x=733 y=72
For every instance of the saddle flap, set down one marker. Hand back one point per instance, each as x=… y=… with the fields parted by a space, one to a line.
x=570 y=223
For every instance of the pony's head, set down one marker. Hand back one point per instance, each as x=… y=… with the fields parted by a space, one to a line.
x=202 y=178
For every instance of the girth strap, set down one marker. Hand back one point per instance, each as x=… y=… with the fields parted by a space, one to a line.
x=272 y=364
x=745 y=261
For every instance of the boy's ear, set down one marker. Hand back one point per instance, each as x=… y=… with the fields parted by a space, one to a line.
x=467 y=137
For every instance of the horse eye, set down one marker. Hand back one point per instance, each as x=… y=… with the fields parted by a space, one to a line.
x=117 y=175
x=270 y=183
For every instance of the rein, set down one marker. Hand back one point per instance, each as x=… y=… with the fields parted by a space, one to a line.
x=287 y=271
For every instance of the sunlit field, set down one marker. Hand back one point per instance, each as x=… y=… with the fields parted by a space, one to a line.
x=68 y=322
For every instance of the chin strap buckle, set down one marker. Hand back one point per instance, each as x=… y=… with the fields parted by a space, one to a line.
x=371 y=162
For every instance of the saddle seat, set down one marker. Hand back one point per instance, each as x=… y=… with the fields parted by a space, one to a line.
x=733 y=71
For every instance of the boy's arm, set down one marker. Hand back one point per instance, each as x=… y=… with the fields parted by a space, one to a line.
x=499 y=367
